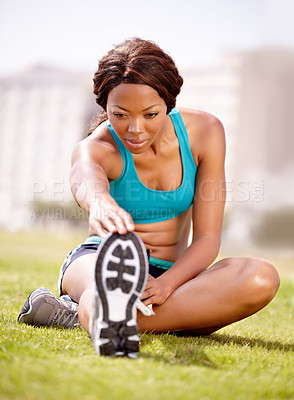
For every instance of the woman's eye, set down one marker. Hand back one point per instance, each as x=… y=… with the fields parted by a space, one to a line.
x=152 y=115
x=119 y=115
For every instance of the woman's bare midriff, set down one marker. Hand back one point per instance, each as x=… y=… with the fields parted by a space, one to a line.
x=166 y=239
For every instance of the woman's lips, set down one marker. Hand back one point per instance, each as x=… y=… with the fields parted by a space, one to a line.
x=136 y=144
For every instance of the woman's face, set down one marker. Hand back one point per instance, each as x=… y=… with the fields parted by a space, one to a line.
x=137 y=113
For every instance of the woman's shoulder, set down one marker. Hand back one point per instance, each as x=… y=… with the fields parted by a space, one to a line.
x=101 y=135
x=198 y=120
x=100 y=140
x=99 y=147
x=205 y=130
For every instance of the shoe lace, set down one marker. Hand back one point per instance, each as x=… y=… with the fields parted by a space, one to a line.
x=144 y=309
x=64 y=318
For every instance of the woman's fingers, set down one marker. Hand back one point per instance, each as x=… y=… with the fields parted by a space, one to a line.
x=110 y=219
x=150 y=300
x=119 y=224
x=147 y=293
x=128 y=220
x=123 y=221
x=154 y=292
x=95 y=226
x=151 y=292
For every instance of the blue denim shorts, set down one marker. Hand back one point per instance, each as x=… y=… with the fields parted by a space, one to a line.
x=157 y=266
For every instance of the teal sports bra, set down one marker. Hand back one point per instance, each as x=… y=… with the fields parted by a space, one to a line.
x=148 y=205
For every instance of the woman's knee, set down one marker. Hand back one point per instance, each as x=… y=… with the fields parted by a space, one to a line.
x=78 y=276
x=261 y=279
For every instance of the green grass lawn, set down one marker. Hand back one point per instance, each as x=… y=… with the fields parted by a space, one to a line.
x=252 y=359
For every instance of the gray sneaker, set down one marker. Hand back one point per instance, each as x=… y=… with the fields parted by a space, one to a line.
x=42 y=308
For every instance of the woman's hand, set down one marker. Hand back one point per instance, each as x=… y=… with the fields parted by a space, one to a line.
x=106 y=216
x=155 y=292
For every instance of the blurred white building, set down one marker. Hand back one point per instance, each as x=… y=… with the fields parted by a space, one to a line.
x=216 y=89
x=253 y=95
x=264 y=152
x=43 y=114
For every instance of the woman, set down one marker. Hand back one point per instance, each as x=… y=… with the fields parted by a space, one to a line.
x=156 y=171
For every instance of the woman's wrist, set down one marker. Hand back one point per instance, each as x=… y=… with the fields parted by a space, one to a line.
x=166 y=285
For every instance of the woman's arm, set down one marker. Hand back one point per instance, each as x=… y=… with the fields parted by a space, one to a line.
x=208 y=210
x=91 y=165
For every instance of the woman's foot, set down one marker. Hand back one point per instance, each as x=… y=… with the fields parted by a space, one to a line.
x=42 y=308
x=120 y=275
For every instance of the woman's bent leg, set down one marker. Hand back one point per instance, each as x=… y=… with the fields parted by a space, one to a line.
x=230 y=290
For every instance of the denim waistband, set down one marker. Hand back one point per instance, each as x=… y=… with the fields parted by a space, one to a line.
x=158 y=262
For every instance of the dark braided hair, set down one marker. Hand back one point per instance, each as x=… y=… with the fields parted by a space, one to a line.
x=136 y=61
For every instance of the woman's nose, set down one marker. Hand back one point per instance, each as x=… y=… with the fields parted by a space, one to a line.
x=135 y=126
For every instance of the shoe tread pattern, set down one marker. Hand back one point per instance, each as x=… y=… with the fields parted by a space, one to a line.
x=122 y=269
x=119 y=333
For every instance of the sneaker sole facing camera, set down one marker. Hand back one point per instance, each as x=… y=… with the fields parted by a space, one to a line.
x=120 y=275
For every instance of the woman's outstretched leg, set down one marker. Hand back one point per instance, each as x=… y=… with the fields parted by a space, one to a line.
x=78 y=282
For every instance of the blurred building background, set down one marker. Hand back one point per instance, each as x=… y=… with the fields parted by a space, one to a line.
x=252 y=93
x=43 y=114
x=45 y=111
